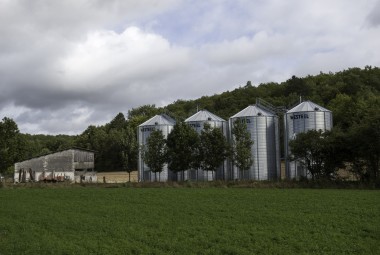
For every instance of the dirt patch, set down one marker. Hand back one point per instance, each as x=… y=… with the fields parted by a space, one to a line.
x=116 y=177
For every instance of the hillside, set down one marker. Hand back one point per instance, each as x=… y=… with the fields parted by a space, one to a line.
x=352 y=95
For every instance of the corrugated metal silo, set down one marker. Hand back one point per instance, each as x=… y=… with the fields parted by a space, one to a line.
x=262 y=124
x=300 y=119
x=159 y=122
x=197 y=122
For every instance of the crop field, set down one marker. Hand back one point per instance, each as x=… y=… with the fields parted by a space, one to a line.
x=99 y=220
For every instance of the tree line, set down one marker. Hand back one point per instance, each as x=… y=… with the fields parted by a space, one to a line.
x=185 y=149
x=352 y=95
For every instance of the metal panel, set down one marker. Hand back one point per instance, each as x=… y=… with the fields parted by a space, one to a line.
x=159 y=123
x=265 y=149
x=198 y=126
x=303 y=118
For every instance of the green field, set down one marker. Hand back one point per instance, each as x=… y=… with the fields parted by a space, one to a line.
x=93 y=220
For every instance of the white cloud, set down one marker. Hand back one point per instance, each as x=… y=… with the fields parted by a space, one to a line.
x=107 y=59
x=67 y=64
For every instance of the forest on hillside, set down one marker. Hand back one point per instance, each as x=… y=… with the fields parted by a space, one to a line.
x=353 y=95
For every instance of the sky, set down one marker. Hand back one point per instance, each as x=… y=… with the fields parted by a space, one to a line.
x=65 y=65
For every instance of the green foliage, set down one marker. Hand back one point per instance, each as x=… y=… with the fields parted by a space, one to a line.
x=11 y=144
x=155 y=151
x=183 y=147
x=36 y=145
x=352 y=95
x=129 y=151
x=241 y=146
x=115 y=144
x=118 y=123
x=364 y=140
x=319 y=152
x=214 y=148
x=203 y=221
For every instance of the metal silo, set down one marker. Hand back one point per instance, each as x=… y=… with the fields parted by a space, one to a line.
x=197 y=122
x=300 y=119
x=159 y=122
x=262 y=125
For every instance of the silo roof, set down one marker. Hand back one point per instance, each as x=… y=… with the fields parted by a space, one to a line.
x=204 y=115
x=308 y=106
x=161 y=119
x=252 y=110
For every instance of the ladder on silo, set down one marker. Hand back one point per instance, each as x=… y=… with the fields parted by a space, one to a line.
x=269 y=107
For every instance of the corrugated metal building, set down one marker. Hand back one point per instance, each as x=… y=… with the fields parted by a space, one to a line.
x=73 y=164
x=300 y=119
x=197 y=122
x=159 y=122
x=263 y=127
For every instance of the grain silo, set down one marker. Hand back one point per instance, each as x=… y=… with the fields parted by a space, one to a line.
x=300 y=119
x=197 y=122
x=159 y=122
x=262 y=125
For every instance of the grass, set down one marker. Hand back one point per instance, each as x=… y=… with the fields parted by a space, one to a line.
x=93 y=220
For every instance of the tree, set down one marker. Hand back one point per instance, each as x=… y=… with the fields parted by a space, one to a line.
x=319 y=152
x=155 y=152
x=129 y=151
x=214 y=148
x=183 y=147
x=11 y=144
x=364 y=139
x=307 y=150
x=118 y=122
x=241 y=146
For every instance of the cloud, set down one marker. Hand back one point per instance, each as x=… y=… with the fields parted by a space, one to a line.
x=67 y=64
x=373 y=17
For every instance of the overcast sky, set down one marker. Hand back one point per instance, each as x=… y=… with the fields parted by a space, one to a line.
x=67 y=64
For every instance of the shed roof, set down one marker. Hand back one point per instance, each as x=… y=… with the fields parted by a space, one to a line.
x=161 y=119
x=307 y=106
x=252 y=110
x=204 y=115
x=67 y=149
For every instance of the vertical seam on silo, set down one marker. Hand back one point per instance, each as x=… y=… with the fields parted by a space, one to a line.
x=257 y=150
x=266 y=143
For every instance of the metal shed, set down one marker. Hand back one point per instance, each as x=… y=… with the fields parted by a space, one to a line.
x=300 y=119
x=197 y=122
x=159 y=122
x=73 y=164
x=262 y=125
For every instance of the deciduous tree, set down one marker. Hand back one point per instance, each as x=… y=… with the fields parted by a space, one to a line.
x=214 y=148
x=241 y=146
x=155 y=152
x=183 y=148
x=129 y=151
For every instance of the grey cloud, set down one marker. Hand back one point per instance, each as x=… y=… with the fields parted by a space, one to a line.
x=67 y=64
x=373 y=17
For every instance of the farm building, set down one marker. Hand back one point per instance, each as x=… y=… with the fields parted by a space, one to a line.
x=75 y=165
x=300 y=119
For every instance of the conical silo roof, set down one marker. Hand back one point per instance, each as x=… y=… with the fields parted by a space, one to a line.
x=204 y=115
x=252 y=110
x=308 y=106
x=161 y=119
